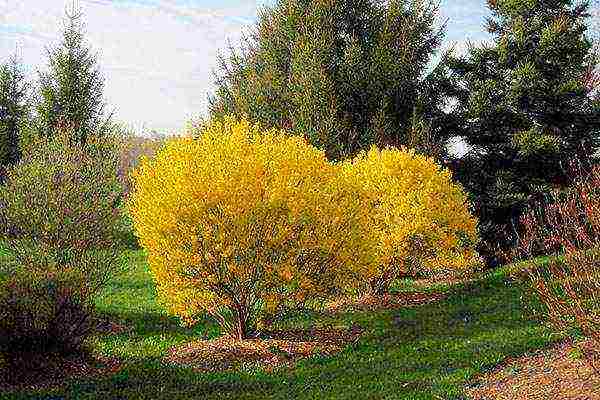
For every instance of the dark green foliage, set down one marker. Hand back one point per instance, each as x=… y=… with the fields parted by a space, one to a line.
x=344 y=73
x=71 y=92
x=14 y=111
x=526 y=105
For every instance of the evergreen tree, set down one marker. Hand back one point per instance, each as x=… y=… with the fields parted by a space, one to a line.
x=526 y=107
x=14 y=111
x=71 y=93
x=343 y=73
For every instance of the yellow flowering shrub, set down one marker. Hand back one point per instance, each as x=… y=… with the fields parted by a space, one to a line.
x=413 y=212
x=238 y=221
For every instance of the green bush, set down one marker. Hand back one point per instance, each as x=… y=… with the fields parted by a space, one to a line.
x=59 y=224
x=63 y=195
x=46 y=298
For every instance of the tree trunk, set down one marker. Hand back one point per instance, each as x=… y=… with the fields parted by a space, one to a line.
x=379 y=286
x=240 y=323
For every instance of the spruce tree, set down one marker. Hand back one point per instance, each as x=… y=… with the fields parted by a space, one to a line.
x=343 y=73
x=14 y=111
x=71 y=92
x=525 y=106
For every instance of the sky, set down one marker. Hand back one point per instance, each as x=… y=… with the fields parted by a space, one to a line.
x=158 y=56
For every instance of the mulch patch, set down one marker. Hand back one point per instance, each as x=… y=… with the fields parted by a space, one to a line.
x=551 y=374
x=272 y=349
x=384 y=302
x=34 y=371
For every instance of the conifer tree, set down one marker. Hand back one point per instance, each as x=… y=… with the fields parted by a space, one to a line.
x=14 y=110
x=343 y=73
x=71 y=92
x=526 y=107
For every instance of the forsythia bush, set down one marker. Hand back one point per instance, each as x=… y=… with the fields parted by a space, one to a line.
x=416 y=215
x=238 y=221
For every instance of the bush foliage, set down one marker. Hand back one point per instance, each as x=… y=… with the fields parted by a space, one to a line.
x=63 y=195
x=239 y=222
x=568 y=227
x=418 y=218
x=45 y=298
x=59 y=221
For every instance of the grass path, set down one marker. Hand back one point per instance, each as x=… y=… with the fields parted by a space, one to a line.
x=425 y=352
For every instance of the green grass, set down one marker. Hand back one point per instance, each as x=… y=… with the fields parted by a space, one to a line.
x=4 y=257
x=427 y=352
x=3 y=250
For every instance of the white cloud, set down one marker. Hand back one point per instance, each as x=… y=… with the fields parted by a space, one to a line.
x=157 y=56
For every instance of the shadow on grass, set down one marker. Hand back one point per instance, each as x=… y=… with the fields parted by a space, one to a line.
x=423 y=352
x=156 y=323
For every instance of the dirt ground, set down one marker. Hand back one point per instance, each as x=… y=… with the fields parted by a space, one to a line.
x=273 y=349
x=558 y=373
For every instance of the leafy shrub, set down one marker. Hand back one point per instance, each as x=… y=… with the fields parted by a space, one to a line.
x=568 y=285
x=63 y=195
x=58 y=217
x=238 y=222
x=125 y=229
x=417 y=217
x=46 y=298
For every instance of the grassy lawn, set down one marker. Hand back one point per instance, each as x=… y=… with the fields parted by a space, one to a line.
x=3 y=256
x=425 y=352
x=3 y=251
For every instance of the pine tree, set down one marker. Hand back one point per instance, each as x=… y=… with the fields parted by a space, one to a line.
x=526 y=107
x=14 y=110
x=71 y=93
x=343 y=73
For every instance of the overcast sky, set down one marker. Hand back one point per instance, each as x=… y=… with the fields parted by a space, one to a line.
x=158 y=55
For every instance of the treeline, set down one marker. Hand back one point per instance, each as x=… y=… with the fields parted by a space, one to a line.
x=66 y=98
x=349 y=74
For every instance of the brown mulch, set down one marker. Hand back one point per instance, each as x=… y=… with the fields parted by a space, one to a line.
x=37 y=372
x=370 y=302
x=272 y=350
x=549 y=374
